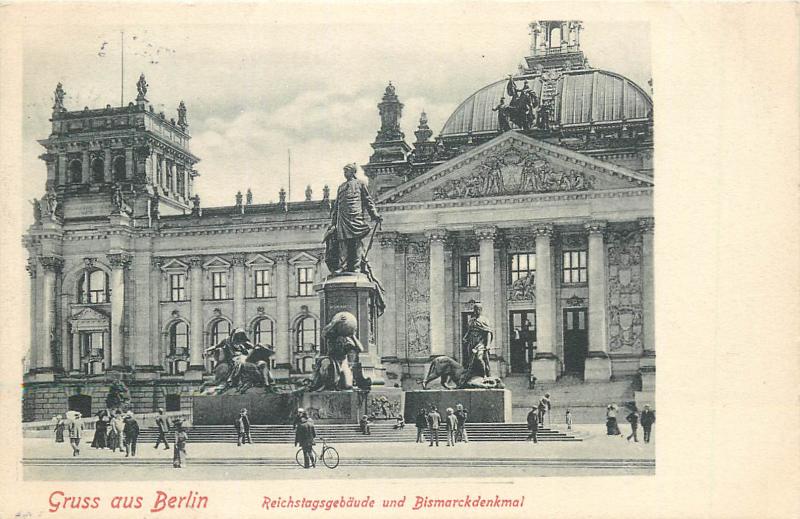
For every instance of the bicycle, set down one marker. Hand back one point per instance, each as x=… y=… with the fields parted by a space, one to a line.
x=329 y=456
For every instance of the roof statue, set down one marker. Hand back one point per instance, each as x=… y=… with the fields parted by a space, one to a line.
x=58 y=98
x=309 y=193
x=183 y=123
x=249 y=197
x=141 y=86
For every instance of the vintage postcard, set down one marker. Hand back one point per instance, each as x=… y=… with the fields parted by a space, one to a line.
x=374 y=258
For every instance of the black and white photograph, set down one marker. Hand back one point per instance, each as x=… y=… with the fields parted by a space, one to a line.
x=306 y=243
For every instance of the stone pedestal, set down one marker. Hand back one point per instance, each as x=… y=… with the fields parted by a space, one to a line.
x=354 y=293
x=647 y=370
x=263 y=408
x=483 y=405
x=598 y=368
x=545 y=368
x=332 y=407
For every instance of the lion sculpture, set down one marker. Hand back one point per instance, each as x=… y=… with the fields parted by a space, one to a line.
x=450 y=370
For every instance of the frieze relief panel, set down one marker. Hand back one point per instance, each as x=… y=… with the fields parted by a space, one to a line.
x=417 y=299
x=523 y=289
x=624 y=292
x=512 y=171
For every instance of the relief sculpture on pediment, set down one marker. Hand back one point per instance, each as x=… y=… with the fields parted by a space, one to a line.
x=512 y=172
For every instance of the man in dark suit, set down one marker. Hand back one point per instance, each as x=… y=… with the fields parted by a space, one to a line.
x=647 y=419
x=163 y=429
x=434 y=420
x=304 y=437
x=243 y=428
x=533 y=423
x=131 y=431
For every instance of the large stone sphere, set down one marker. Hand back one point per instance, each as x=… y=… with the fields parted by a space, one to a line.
x=343 y=324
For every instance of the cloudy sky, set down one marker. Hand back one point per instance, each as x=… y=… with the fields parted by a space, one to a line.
x=306 y=83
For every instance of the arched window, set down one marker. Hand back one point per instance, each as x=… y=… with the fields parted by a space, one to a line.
x=179 y=339
x=76 y=171
x=555 y=37
x=307 y=334
x=93 y=288
x=220 y=330
x=98 y=175
x=262 y=332
x=119 y=168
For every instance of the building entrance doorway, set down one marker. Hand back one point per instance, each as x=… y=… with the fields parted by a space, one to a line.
x=80 y=403
x=522 y=330
x=576 y=341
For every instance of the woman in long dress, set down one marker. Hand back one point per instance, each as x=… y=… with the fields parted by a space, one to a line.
x=59 y=429
x=612 y=427
x=179 y=452
x=100 y=430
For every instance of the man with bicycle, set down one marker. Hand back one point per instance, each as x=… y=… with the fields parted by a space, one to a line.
x=304 y=437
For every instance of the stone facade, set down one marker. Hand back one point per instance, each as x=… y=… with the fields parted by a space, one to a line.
x=130 y=277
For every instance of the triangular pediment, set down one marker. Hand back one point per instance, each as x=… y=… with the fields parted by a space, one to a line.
x=90 y=314
x=174 y=264
x=515 y=164
x=303 y=258
x=259 y=260
x=216 y=263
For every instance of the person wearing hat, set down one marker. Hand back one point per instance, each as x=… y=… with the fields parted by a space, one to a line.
x=434 y=420
x=75 y=428
x=179 y=452
x=421 y=421
x=533 y=423
x=59 y=429
x=116 y=436
x=131 y=431
x=647 y=420
x=452 y=426
x=461 y=416
x=304 y=437
x=633 y=419
x=296 y=418
x=242 y=425
x=163 y=429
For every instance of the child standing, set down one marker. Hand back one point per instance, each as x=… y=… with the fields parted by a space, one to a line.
x=568 y=419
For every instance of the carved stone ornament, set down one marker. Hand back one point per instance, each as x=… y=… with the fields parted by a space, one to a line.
x=388 y=239
x=157 y=261
x=31 y=267
x=486 y=233
x=176 y=313
x=647 y=225
x=595 y=227
x=625 y=306
x=523 y=289
x=437 y=236
x=418 y=299
x=543 y=231
x=51 y=263
x=88 y=263
x=238 y=259
x=217 y=312
x=576 y=300
x=261 y=310
x=119 y=260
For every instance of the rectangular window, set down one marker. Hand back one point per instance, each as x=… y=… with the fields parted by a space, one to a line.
x=170 y=167
x=574 y=268
x=180 y=181
x=470 y=271
x=177 y=289
x=305 y=281
x=262 y=279
x=219 y=285
x=160 y=170
x=521 y=266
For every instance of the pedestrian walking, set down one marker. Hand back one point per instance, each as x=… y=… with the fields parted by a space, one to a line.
x=116 y=434
x=242 y=425
x=548 y=405
x=647 y=419
x=452 y=427
x=434 y=420
x=101 y=430
x=633 y=419
x=131 y=432
x=163 y=429
x=541 y=408
x=612 y=427
x=297 y=416
x=304 y=436
x=533 y=423
x=59 y=428
x=179 y=449
x=461 y=416
x=568 y=420
x=421 y=421
x=75 y=430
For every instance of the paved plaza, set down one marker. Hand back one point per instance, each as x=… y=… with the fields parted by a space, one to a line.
x=597 y=454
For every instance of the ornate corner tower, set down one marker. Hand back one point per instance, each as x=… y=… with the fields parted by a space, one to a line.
x=127 y=161
x=388 y=164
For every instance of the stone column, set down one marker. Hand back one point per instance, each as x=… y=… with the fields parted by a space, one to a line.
x=486 y=237
x=647 y=364
x=107 y=165
x=143 y=351
x=119 y=263
x=545 y=363
x=387 y=323
x=437 y=291
x=34 y=340
x=156 y=343
x=86 y=172
x=76 y=351
x=598 y=365
x=62 y=169
x=401 y=322
x=197 y=345
x=52 y=267
x=238 y=291
x=129 y=163
x=283 y=353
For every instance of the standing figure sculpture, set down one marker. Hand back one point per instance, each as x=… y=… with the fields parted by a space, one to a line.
x=348 y=227
x=476 y=341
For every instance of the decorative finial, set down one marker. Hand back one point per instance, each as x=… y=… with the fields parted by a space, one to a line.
x=390 y=90
x=238 y=198
x=196 y=205
x=141 y=86
x=308 y=193
x=58 y=99
x=249 y=197
x=282 y=196
x=183 y=123
x=423 y=119
x=326 y=193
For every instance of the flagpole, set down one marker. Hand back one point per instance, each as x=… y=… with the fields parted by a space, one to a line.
x=289 y=197
x=122 y=69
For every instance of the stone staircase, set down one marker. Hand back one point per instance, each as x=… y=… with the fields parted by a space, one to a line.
x=348 y=433
x=587 y=401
